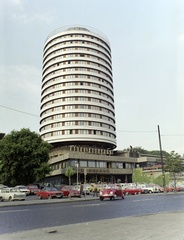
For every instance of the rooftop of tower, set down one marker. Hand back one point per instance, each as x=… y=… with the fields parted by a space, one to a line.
x=78 y=28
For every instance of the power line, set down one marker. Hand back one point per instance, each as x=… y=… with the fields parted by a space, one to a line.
x=172 y=135
x=12 y=109
x=163 y=135
x=137 y=131
x=131 y=131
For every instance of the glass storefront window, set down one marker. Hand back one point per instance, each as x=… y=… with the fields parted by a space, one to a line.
x=101 y=164
x=91 y=164
x=83 y=163
x=117 y=165
x=73 y=163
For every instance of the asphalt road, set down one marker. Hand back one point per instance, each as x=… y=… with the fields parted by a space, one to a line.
x=27 y=217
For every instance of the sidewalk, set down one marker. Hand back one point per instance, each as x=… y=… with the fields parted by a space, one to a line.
x=163 y=226
x=47 y=201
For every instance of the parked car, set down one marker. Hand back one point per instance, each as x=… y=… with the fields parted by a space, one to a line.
x=85 y=189
x=33 y=188
x=49 y=193
x=160 y=189
x=169 y=189
x=180 y=187
x=11 y=194
x=23 y=189
x=112 y=191
x=132 y=191
x=92 y=185
x=146 y=188
x=173 y=189
x=70 y=191
x=3 y=186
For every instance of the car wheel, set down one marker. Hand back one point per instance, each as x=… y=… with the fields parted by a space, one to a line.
x=115 y=196
x=40 y=197
x=10 y=199
x=111 y=198
x=101 y=198
x=49 y=196
x=150 y=191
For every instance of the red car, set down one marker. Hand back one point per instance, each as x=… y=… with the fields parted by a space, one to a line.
x=49 y=192
x=112 y=191
x=33 y=188
x=132 y=191
x=70 y=191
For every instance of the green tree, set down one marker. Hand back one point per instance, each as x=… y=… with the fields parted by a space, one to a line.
x=42 y=171
x=23 y=158
x=140 y=177
x=69 y=172
x=159 y=180
x=152 y=152
x=173 y=164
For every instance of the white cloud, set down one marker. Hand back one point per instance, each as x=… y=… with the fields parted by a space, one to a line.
x=17 y=1
x=181 y=37
x=22 y=12
x=25 y=18
x=20 y=85
x=20 y=97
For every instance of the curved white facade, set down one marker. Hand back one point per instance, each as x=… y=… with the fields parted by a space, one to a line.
x=77 y=99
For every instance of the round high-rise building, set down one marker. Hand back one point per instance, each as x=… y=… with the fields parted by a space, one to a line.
x=77 y=99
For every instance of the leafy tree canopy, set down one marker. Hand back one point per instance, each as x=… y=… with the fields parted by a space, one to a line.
x=23 y=158
x=69 y=172
x=152 y=152
x=173 y=163
x=140 y=177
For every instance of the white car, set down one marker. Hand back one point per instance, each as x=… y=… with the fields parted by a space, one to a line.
x=85 y=189
x=11 y=194
x=23 y=189
x=147 y=188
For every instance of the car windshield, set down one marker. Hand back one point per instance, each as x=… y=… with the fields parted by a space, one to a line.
x=33 y=186
x=115 y=186
x=50 y=189
x=14 y=190
x=67 y=188
x=111 y=186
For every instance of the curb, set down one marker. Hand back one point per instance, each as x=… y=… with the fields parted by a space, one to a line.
x=45 y=201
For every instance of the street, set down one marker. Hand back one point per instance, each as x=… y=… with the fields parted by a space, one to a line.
x=28 y=217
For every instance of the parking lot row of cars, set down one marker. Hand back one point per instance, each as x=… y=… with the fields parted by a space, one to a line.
x=20 y=192
x=104 y=190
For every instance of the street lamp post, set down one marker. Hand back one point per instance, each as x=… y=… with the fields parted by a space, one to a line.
x=77 y=165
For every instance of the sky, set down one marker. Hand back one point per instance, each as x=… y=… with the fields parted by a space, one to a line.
x=147 y=44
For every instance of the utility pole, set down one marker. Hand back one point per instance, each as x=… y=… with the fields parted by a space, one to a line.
x=161 y=157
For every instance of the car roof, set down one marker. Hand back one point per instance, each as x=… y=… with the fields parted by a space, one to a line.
x=20 y=186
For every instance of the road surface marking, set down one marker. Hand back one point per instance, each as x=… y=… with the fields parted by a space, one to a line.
x=10 y=211
x=142 y=200
x=89 y=205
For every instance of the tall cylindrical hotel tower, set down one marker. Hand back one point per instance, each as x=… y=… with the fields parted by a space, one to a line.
x=77 y=99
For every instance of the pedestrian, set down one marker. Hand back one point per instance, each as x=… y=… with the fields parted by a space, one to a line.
x=95 y=192
x=81 y=189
